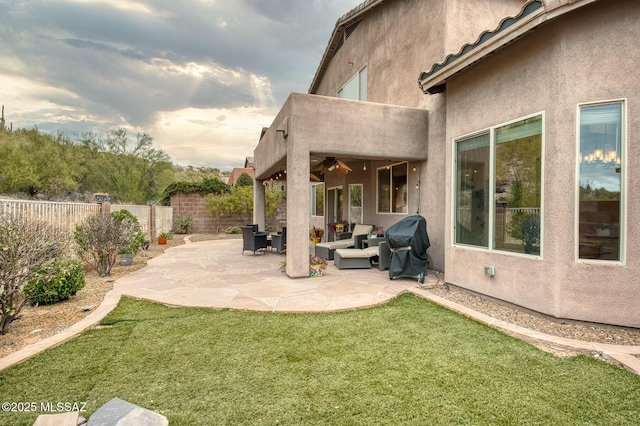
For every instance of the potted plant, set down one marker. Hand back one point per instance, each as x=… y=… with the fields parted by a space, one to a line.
x=316 y=235
x=163 y=237
x=317 y=265
x=331 y=229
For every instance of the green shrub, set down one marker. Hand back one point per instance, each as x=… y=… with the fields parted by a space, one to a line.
x=99 y=239
x=123 y=215
x=28 y=250
x=69 y=278
x=182 y=224
x=233 y=230
x=205 y=186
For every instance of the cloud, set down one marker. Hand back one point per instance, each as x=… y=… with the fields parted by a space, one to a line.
x=73 y=65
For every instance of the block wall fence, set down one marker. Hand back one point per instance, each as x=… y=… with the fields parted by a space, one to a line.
x=194 y=205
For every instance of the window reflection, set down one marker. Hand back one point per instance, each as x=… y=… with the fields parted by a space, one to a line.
x=392 y=189
x=472 y=195
x=518 y=164
x=600 y=181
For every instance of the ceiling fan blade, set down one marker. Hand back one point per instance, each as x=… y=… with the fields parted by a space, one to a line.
x=314 y=177
x=343 y=166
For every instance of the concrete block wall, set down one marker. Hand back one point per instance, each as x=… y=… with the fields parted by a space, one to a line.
x=194 y=205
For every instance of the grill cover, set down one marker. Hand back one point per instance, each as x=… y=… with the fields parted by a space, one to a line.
x=408 y=241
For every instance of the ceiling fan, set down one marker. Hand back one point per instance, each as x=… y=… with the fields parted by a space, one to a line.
x=330 y=164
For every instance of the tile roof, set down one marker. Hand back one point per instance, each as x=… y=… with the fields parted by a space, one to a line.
x=527 y=9
x=533 y=14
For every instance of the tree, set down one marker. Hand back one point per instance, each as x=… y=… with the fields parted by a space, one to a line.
x=239 y=200
x=244 y=180
x=29 y=250
x=54 y=166
x=36 y=163
x=131 y=171
x=217 y=206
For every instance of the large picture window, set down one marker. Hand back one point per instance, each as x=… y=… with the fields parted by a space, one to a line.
x=392 y=188
x=601 y=143
x=509 y=220
x=472 y=191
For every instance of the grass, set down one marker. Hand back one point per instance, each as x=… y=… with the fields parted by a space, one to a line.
x=406 y=362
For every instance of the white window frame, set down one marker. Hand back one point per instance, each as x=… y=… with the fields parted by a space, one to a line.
x=492 y=187
x=313 y=200
x=361 y=200
x=623 y=185
x=359 y=77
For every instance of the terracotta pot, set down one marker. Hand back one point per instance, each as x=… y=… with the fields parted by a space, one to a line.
x=162 y=240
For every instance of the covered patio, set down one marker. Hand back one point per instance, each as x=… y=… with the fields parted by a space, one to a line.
x=311 y=128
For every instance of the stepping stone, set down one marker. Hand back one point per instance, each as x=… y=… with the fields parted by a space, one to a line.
x=118 y=412
x=63 y=419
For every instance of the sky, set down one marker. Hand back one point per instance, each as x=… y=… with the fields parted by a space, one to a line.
x=202 y=77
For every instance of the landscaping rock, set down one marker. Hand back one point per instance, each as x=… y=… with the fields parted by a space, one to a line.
x=118 y=412
x=62 y=419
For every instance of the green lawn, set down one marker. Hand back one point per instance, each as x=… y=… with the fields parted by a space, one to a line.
x=406 y=362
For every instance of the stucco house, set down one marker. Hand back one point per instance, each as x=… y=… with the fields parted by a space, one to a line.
x=514 y=145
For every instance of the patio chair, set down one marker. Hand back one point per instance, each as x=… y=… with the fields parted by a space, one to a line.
x=279 y=240
x=352 y=258
x=253 y=241
x=327 y=249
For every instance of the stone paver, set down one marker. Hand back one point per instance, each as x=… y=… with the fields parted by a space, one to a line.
x=213 y=274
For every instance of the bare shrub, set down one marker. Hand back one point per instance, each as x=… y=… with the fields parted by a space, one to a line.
x=100 y=238
x=28 y=250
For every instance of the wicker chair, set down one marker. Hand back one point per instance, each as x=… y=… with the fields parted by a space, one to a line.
x=253 y=241
x=279 y=240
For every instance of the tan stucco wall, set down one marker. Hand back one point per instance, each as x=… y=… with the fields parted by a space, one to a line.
x=587 y=55
x=328 y=125
x=397 y=41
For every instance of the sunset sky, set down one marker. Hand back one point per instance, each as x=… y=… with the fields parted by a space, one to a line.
x=202 y=77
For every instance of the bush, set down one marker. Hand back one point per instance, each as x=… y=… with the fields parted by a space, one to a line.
x=69 y=278
x=205 y=186
x=124 y=215
x=100 y=238
x=28 y=250
x=182 y=224
x=233 y=230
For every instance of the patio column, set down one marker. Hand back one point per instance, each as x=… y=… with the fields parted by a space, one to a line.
x=258 y=204
x=298 y=213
